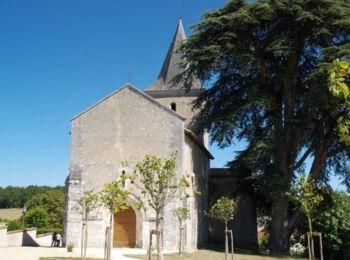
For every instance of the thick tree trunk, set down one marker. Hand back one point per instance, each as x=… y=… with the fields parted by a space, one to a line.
x=280 y=233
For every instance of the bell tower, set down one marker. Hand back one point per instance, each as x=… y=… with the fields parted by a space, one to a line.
x=176 y=97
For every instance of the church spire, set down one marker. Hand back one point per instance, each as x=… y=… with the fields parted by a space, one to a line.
x=171 y=68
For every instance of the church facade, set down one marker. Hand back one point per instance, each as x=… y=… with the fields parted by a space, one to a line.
x=125 y=126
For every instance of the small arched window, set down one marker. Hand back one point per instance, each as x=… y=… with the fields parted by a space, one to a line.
x=173 y=106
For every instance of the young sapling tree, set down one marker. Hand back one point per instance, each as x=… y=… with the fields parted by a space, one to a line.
x=88 y=202
x=305 y=195
x=156 y=178
x=182 y=214
x=113 y=197
x=223 y=210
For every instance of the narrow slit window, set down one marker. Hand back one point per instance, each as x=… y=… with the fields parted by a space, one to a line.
x=173 y=106
x=123 y=180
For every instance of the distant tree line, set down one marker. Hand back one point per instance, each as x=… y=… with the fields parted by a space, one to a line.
x=17 y=197
x=44 y=207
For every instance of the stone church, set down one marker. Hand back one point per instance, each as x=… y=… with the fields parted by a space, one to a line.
x=124 y=126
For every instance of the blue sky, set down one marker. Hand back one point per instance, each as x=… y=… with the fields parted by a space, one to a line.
x=59 y=57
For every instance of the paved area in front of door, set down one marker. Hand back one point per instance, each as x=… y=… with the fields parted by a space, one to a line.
x=34 y=253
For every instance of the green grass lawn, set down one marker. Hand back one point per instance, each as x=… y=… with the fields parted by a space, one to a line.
x=10 y=214
x=198 y=255
x=215 y=255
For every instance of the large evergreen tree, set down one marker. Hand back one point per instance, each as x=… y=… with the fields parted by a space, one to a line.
x=267 y=65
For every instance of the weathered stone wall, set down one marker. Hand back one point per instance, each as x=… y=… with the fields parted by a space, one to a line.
x=25 y=237
x=124 y=127
x=72 y=219
x=197 y=166
x=3 y=236
x=184 y=101
x=15 y=238
x=228 y=183
x=183 y=106
x=44 y=240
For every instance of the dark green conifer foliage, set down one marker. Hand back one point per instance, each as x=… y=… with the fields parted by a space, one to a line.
x=267 y=64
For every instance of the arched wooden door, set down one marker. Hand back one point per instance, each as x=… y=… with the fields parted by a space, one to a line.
x=124 y=234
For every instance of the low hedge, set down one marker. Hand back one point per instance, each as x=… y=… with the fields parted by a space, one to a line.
x=40 y=231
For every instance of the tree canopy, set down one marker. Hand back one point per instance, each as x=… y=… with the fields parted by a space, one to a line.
x=113 y=196
x=37 y=217
x=223 y=210
x=332 y=219
x=16 y=197
x=52 y=202
x=156 y=176
x=334 y=223
x=267 y=64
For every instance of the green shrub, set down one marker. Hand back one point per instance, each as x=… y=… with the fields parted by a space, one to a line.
x=37 y=217
x=70 y=247
x=333 y=220
x=264 y=240
x=52 y=202
x=14 y=225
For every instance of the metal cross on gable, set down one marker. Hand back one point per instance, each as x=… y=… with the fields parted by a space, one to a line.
x=180 y=6
x=130 y=76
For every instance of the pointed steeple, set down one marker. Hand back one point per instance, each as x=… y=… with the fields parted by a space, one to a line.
x=171 y=68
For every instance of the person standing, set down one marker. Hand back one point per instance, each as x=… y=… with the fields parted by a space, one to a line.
x=58 y=239
x=53 y=243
